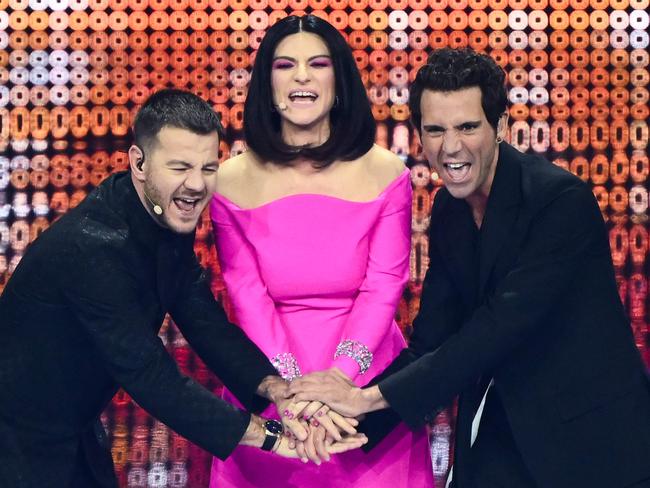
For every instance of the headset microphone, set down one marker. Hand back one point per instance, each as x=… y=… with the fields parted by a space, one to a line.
x=157 y=209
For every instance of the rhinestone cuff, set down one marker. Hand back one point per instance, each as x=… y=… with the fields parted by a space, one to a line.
x=286 y=365
x=357 y=351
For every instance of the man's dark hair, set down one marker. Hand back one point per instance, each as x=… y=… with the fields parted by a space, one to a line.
x=449 y=70
x=173 y=108
x=352 y=126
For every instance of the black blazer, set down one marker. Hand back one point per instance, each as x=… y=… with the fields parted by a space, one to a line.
x=541 y=315
x=79 y=318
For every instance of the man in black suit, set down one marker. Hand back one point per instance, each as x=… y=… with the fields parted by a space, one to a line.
x=81 y=313
x=519 y=314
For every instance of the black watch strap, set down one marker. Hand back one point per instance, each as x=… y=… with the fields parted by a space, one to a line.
x=269 y=442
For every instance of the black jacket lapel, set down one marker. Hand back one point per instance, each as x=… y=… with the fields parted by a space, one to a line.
x=501 y=213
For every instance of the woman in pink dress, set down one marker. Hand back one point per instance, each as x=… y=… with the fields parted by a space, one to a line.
x=312 y=228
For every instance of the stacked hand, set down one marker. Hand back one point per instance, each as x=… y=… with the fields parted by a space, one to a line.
x=313 y=428
x=331 y=387
x=329 y=401
x=313 y=431
x=317 y=447
x=288 y=447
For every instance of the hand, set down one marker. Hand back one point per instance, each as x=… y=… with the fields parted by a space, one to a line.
x=295 y=416
x=275 y=389
x=334 y=423
x=319 y=445
x=313 y=448
x=290 y=413
x=334 y=388
x=331 y=387
x=256 y=434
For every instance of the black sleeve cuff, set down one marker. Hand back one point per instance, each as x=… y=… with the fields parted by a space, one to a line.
x=376 y=426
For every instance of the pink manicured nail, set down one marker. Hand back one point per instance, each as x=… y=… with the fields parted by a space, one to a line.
x=286 y=413
x=320 y=413
x=315 y=423
x=290 y=415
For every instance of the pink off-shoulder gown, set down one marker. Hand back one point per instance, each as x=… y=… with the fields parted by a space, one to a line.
x=304 y=273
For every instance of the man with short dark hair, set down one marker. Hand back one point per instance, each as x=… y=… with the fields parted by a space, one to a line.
x=80 y=316
x=519 y=313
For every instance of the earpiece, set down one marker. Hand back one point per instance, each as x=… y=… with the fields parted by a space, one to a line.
x=157 y=209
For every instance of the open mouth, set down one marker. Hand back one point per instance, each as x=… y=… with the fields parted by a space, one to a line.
x=186 y=205
x=303 y=96
x=457 y=172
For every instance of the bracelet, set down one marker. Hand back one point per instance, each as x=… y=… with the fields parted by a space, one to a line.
x=286 y=365
x=357 y=351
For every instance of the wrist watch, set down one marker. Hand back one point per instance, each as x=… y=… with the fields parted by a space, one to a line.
x=273 y=430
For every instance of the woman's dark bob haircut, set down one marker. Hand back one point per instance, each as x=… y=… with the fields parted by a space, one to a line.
x=352 y=126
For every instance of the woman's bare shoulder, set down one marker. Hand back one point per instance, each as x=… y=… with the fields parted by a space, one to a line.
x=384 y=165
x=233 y=179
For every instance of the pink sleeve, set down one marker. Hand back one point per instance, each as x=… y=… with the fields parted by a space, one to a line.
x=375 y=306
x=253 y=307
